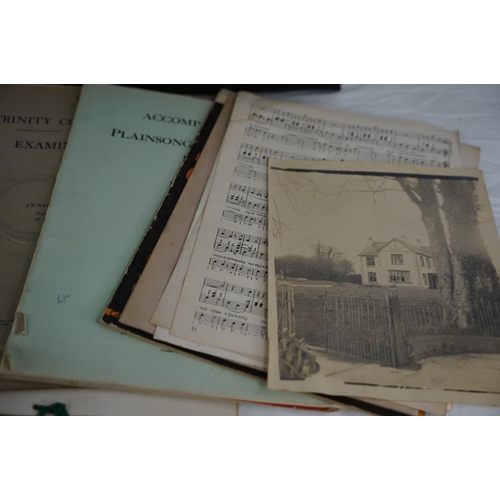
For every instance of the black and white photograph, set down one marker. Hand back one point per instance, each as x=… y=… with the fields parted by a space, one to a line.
x=384 y=277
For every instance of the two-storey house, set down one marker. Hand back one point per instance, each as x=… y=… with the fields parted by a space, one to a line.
x=398 y=262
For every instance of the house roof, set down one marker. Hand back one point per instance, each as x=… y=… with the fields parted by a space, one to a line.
x=372 y=250
x=375 y=248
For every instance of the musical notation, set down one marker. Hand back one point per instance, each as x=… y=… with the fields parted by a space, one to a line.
x=259 y=156
x=302 y=142
x=248 y=220
x=228 y=296
x=245 y=245
x=337 y=131
x=329 y=148
x=229 y=324
x=250 y=173
x=239 y=269
x=248 y=197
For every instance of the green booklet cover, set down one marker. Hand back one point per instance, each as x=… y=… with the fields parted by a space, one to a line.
x=124 y=151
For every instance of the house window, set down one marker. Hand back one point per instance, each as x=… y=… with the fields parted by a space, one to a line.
x=397 y=259
x=372 y=277
x=370 y=261
x=429 y=263
x=426 y=281
x=422 y=263
x=399 y=276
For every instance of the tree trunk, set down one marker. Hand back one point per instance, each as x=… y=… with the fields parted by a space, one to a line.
x=424 y=195
x=449 y=285
x=472 y=260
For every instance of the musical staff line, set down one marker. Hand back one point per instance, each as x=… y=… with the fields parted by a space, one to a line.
x=329 y=148
x=259 y=156
x=245 y=245
x=248 y=197
x=337 y=131
x=227 y=296
x=229 y=324
x=250 y=173
x=245 y=219
x=239 y=269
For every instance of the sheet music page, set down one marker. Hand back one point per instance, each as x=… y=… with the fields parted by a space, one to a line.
x=224 y=299
x=168 y=304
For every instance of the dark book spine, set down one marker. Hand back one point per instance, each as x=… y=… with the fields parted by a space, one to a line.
x=140 y=260
x=213 y=89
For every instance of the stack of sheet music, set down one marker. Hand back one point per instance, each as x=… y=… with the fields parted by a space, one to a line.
x=371 y=242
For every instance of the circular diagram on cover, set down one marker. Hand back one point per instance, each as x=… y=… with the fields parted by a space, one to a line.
x=23 y=205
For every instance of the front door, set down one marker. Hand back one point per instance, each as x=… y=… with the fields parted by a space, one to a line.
x=433 y=281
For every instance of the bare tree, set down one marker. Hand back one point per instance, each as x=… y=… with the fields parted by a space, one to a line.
x=468 y=277
x=326 y=264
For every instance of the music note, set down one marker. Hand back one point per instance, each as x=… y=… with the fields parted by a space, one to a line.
x=244 y=219
x=250 y=173
x=241 y=326
x=225 y=295
x=239 y=269
x=247 y=245
x=249 y=198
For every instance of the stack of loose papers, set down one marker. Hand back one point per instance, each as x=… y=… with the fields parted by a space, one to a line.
x=216 y=302
x=292 y=255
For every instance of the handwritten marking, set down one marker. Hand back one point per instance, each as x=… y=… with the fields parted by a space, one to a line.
x=62 y=298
